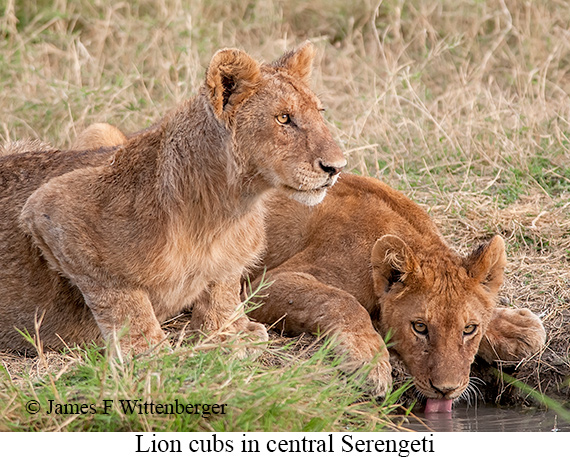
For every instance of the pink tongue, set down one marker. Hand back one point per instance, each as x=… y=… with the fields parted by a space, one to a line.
x=438 y=405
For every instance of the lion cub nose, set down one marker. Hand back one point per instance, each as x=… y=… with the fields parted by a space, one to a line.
x=332 y=168
x=443 y=389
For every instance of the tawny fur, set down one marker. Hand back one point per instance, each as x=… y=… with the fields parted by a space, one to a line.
x=20 y=146
x=368 y=262
x=91 y=241
x=98 y=135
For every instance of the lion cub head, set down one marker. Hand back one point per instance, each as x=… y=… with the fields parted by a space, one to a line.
x=276 y=121
x=437 y=306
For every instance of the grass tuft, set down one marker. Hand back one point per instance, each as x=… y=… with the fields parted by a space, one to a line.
x=293 y=394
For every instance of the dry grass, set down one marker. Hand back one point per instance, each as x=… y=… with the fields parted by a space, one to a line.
x=463 y=105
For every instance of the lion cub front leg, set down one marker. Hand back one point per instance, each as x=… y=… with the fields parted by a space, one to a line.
x=219 y=309
x=119 y=308
x=70 y=246
x=512 y=335
x=123 y=313
x=297 y=302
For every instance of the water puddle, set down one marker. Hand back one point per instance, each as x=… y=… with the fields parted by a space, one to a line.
x=488 y=419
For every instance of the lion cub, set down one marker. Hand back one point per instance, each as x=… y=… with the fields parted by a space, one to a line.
x=91 y=241
x=368 y=262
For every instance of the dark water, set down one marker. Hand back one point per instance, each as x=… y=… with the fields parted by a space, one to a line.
x=488 y=419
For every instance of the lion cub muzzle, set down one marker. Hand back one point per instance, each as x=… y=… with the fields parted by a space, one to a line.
x=331 y=168
x=313 y=184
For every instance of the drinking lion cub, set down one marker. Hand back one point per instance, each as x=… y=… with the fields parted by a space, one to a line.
x=92 y=241
x=368 y=262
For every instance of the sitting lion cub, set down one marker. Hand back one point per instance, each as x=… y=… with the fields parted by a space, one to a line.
x=91 y=241
x=369 y=260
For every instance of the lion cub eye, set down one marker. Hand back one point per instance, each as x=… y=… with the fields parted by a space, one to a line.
x=469 y=329
x=283 y=119
x=420 y=328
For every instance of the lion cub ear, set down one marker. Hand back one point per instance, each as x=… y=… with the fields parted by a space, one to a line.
x=298 y=62
x=487 y=263
x=232 y=77
x=392 y=261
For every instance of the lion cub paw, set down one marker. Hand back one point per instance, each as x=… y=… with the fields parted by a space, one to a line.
x=132 y=345
x=379 y=380
x=512 y=335
x=365 y=347
x=246 y=334
x=250 y=330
